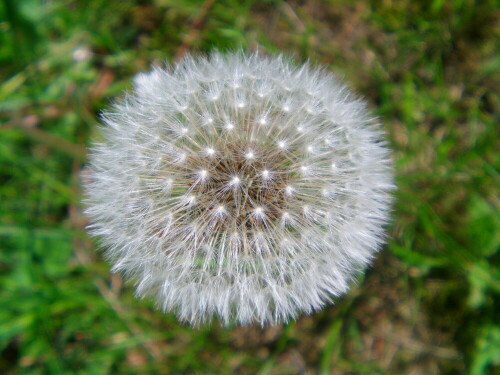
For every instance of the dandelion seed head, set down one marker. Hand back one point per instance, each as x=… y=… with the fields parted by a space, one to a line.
x=239 y=186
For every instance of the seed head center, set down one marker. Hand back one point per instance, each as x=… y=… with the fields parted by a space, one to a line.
x=250 y=185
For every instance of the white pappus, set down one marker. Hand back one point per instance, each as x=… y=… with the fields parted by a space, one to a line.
x=239 y=186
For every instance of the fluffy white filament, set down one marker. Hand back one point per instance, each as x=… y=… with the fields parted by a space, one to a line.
x=239 y=186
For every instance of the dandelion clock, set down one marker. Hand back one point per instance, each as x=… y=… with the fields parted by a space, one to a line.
x=239 y=186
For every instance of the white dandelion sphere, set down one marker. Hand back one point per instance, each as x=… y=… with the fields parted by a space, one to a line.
x=239 y=186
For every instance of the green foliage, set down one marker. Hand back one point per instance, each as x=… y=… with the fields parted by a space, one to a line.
x=427 y=305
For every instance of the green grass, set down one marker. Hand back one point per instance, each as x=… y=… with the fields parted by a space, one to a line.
x=426 y=306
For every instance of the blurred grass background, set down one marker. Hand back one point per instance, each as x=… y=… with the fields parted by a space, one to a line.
x=430 y=70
